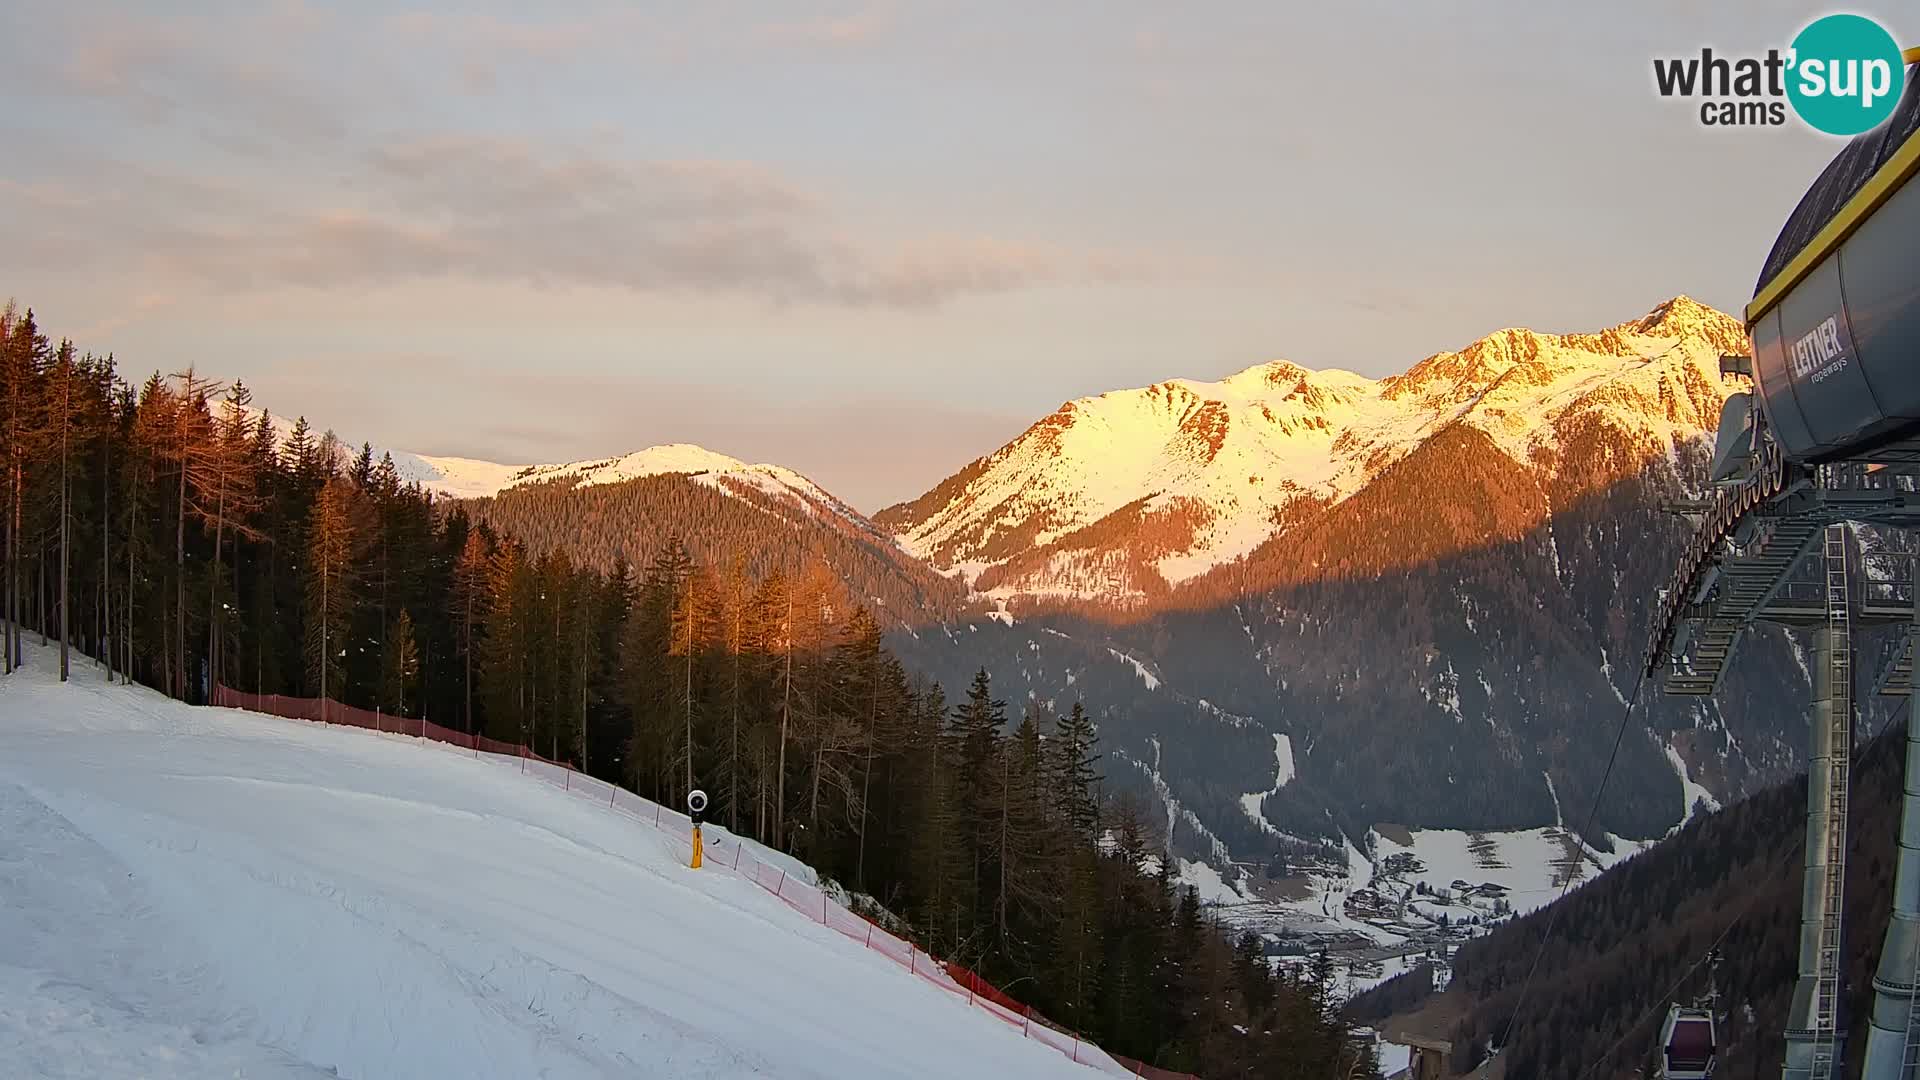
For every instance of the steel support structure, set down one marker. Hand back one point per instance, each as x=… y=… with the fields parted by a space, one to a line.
x=1816 y=1038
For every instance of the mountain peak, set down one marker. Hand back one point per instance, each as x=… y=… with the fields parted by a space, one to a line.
x=1683 y=317
x=1272 y=374
x=1126 y=494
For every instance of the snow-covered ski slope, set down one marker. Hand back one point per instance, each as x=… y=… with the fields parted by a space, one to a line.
x=203 y=892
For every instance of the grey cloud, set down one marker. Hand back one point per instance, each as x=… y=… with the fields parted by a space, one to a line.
x=230 y=79
x=503 y=210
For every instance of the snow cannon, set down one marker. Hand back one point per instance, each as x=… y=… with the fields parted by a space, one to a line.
x=1835 y=316
x=696 y=807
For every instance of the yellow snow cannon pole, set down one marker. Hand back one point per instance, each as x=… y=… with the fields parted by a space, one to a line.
x=696 y=806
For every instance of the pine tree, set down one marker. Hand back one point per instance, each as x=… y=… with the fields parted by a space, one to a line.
x=219 y=466
x=469 y=599
x=63 y=405
x=401 y=667
x=187 y=439
x=1025 y=848
x=506 y=677
x=648 y=649
x=976 y=728
x=736 y=601
x=23 y=354
x=1075 y=778
x=329 y=587
x=862 y=688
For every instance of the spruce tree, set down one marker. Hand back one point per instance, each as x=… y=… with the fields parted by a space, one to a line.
x=401 y=667
x=329 y=592
x=470 y=602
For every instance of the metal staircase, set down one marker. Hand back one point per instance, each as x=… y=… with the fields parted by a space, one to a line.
x=1744 y=586
x=1840 y=671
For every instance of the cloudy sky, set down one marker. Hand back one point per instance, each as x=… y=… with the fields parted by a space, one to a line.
x=867 y=240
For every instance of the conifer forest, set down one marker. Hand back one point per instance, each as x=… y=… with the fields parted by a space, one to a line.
x=160 y=529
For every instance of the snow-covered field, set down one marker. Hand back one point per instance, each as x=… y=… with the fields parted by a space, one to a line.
x=195 y=892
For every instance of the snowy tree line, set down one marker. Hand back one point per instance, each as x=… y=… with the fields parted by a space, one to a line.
x=165 y=533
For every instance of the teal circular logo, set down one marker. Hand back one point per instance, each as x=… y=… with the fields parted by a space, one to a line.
x=1844 y=74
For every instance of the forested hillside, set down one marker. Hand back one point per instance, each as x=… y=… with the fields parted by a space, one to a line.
x=721 y=521
x=1434 y=586
x=170 y=533
x=1622 y=942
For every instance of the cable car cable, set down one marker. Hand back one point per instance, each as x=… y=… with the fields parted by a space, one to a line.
x=1553 y=909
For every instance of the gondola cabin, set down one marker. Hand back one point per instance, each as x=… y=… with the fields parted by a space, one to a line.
x=1687 y=1045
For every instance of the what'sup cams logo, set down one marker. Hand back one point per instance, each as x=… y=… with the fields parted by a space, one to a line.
x=1842 y=75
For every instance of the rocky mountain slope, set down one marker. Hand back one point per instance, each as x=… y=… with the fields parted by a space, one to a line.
x=1129 y=495
x=1434 y=585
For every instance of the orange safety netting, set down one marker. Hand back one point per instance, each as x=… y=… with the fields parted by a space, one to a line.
x=723 y=851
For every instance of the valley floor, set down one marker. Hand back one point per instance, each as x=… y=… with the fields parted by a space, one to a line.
x=196 y=892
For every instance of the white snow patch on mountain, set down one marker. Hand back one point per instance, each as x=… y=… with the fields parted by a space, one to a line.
x=1283 y=772
x=462 y=478
x=1212 y=888
x=1522 y=863
x=1695 y=793
x=1148 y=677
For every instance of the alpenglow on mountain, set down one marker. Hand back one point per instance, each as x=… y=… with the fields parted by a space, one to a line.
x=1300 y=603
x=1308 y=604
x=1126 y=495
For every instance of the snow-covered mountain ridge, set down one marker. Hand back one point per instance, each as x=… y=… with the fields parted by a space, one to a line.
x=474 y=478
x=1124 y=494
x=468 y=478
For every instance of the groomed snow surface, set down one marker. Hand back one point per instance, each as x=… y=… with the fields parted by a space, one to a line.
x=197 y=892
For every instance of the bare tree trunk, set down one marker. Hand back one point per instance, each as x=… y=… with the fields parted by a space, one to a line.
x=733 y=748
x=180 y=581
x=786 y=710
x=1006 y=791
x=213 y=582
x=13 y=566
x=689 y=698
x=106 y=539
x=238 y=643
x=583 y=693
x=126 y=639
x=260 y=636
x=469 y=657
x=66 y=411
x=813 y=798
x=18 y=601
x=325 y=655
x=866 y=779
x=554 y=739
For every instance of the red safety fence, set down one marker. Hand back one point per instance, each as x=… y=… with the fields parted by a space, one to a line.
x=727 y=852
